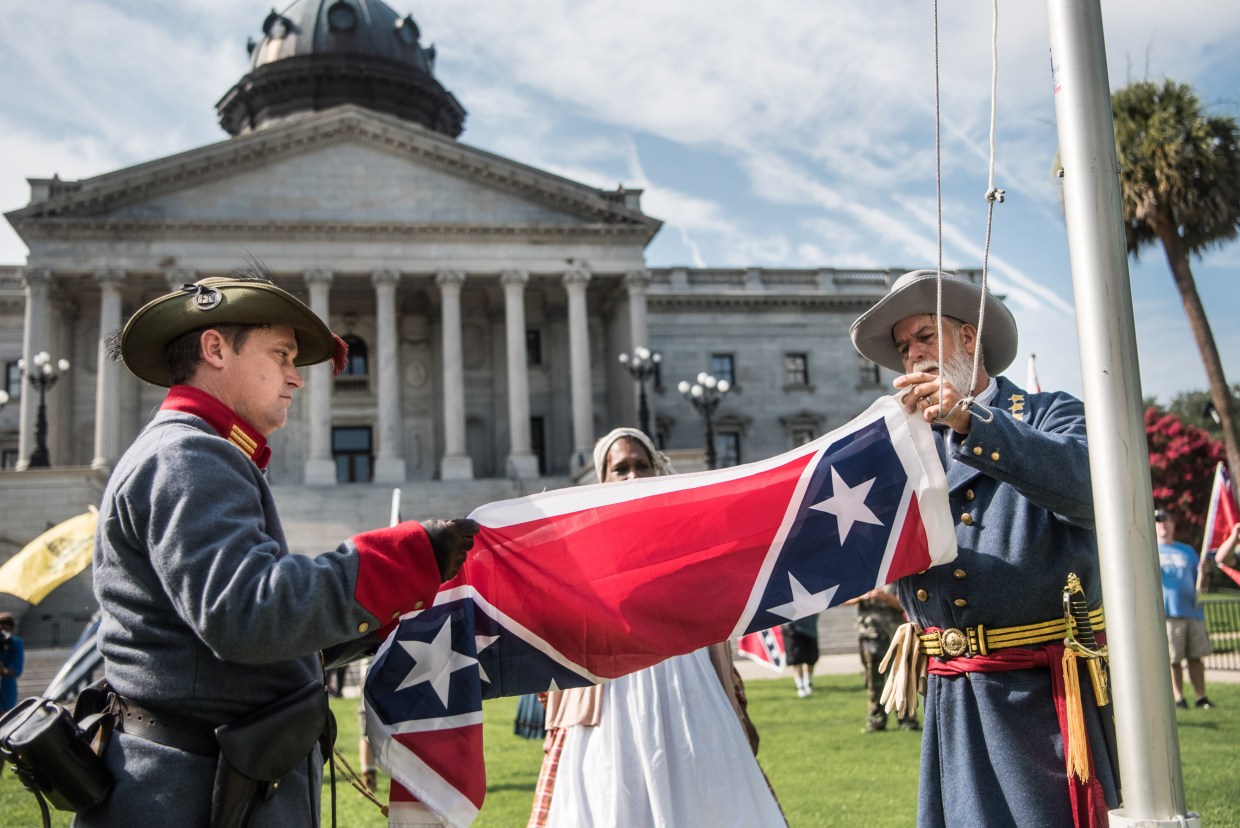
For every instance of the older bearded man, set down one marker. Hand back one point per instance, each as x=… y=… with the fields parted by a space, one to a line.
x=996 y=745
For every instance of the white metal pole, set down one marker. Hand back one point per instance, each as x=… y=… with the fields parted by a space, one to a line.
x=1149 y=750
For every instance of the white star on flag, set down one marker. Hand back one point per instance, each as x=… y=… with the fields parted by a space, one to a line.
x=435 y=661
x=803 y=601
x=481 y=642
x=848 y=504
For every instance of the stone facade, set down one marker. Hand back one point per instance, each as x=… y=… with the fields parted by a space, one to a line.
x=443 y=262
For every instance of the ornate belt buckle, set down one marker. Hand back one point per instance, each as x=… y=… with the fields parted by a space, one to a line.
x=954 y=642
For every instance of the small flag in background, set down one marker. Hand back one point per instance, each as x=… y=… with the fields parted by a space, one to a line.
x=577 y=586
x=1031 y=379
x=1222 y=513
x=1220 y=517
x=765 y=647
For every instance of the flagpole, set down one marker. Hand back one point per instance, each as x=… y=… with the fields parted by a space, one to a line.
x=1149 y=753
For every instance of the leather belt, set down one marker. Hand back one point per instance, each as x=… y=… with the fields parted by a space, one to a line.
x=176 y=730
x=952 y=642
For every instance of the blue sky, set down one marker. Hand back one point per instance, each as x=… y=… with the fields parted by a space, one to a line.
x=778 y=134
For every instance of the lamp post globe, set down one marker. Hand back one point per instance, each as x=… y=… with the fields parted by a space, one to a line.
x=641 y=365
x=705 y=396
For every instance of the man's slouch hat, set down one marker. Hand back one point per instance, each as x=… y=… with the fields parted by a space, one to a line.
x=914 y=294
x=216 y=301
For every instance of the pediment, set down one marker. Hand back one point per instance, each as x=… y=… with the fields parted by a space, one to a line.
x=344 y=167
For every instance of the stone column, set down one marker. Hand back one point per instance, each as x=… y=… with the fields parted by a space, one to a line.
x=636 y=282
x=575 y=282
x=107 y=377
x=389 y=459
x=521 y=460
x=456 y=463
x=320 y=469
x=34 y=339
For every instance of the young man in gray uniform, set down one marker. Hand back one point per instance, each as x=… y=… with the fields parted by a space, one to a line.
x=207 y=619
x=993 y=752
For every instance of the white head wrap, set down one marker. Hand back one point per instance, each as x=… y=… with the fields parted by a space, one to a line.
x=661 y=464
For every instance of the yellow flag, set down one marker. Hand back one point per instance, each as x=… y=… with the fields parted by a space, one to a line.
x=50 y=559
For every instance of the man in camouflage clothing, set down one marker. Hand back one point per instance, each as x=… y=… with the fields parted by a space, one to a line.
x=878 y=616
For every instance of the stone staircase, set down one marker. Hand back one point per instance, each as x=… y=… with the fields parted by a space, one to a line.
x=317 y=518
x=42 y=664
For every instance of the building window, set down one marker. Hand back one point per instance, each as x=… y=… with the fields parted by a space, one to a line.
x=533 y=347
x=358 y=363
x=802 y=427
x=867 y=371
x=352 y=453
x=356 y=373
x=723 y=367
x=727 y=449
x=796 y=369
x=13 y=380
x=538 y=443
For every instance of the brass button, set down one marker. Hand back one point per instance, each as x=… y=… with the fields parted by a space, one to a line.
x=966 y=519
x=959 y=573
x=922 y=595
x=419 y=604
x=395 y=614
x=922 y=572
x=977 y=451
x=968 y=494
x=994 y=455
x=960 y=602
x=363 y=627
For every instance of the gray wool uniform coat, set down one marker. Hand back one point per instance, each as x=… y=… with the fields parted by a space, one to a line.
x=1019 y=490
x=206 y=613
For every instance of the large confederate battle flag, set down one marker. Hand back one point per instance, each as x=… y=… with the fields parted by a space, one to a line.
x=574 y=587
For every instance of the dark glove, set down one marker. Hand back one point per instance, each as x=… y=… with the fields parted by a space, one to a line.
x=450 y=539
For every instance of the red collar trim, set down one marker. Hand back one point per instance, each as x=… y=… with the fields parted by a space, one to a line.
x=224 y=420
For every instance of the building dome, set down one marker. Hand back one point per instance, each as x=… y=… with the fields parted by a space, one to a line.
x=317 y=54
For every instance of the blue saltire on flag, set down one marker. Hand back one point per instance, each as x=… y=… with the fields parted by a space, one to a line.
x=577 y=586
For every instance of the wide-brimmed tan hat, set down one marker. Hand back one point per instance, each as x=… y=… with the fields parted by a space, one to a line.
x=220 y=301
x=914 y=294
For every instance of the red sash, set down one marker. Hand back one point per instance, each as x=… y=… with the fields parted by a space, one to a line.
x=1089 y=804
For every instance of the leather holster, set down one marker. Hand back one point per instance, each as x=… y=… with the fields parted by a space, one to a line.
x=260 y=748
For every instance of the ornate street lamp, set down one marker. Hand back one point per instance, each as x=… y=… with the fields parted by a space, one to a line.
x=642 y=364
x=705 y=395
x=43 y=375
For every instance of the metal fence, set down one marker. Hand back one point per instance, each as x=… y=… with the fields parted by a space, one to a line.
x=1223 y=624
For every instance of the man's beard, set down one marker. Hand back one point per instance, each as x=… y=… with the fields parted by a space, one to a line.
x=957 y=369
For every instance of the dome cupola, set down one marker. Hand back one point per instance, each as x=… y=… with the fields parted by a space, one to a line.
x=317 y=54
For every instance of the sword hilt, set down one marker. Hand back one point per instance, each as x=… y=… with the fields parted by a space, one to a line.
x=1081 y=640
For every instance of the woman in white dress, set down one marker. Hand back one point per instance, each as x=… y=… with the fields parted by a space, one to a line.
x=670 y=745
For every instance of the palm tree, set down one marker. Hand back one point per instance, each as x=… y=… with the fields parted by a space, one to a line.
x=1180 y=174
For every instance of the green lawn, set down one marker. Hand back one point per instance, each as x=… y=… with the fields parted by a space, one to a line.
x=825 y=771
